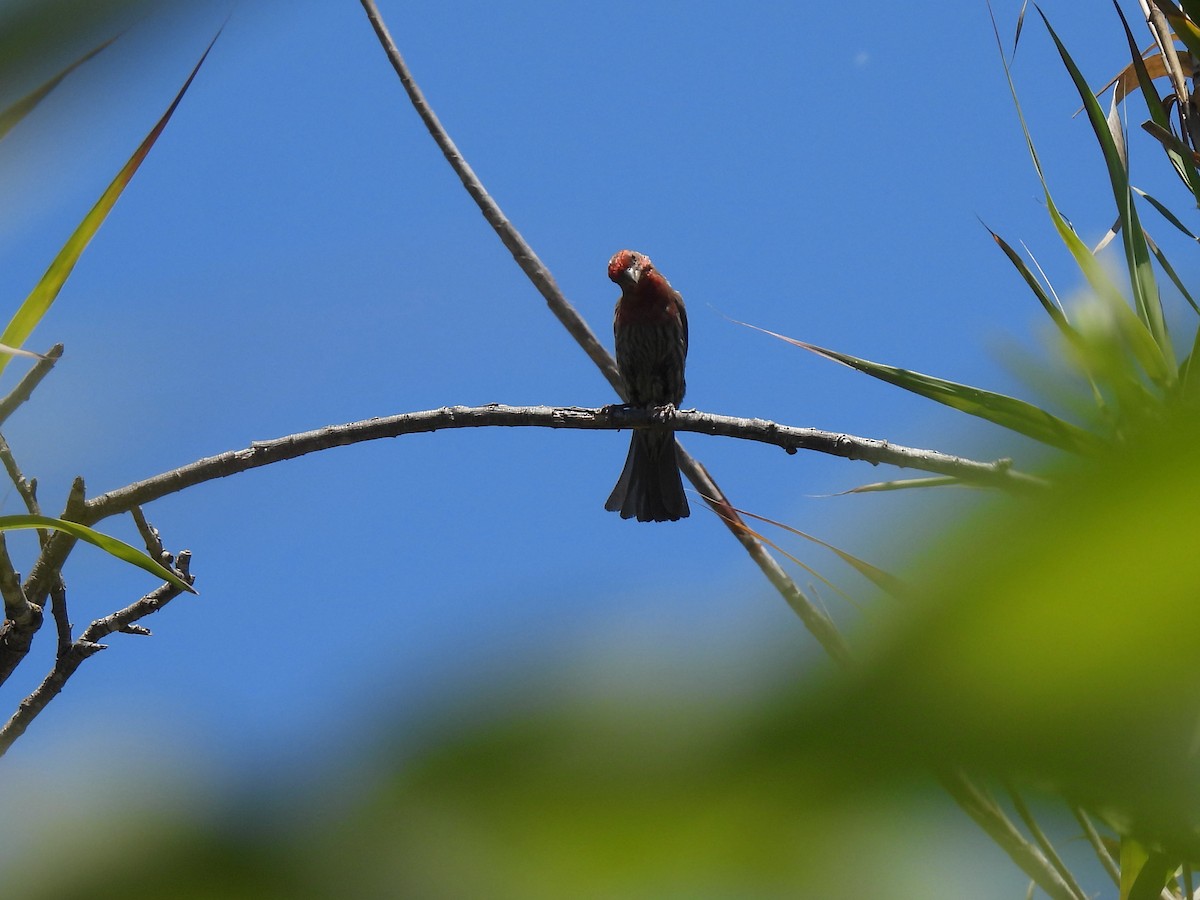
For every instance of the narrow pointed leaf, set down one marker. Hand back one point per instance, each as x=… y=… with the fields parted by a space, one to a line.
x=44 y=293
x=1166 y=214
x=1189 y=374
x=1144 y=873
x=1191 y=8
x=1182 y=162
x=906 y=484
x=13 y=114
x=111 y=545
x=1008 y=412
x=1020 y=26
x=1149 y=354
x=1043 y=297
x=1137 y=254
x=1170 y=270
x=877 y=576
x=742 y=526
x=13 y=351
x=1127 y=80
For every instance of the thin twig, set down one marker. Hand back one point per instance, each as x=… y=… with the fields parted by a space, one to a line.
x=27 y=488
x=16 y=637
x=26 y=385
x=530 y=264
x=150 y=535
x=69 y=661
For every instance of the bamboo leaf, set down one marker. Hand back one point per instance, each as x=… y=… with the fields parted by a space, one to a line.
x=742 y=526
x=110 y=545
x=1141 y=273
x=14 y=113
x=1144 y=873
x=44 y=293
x=1166 y=213
x=905 y=484
x=1000 y=409
x=1192 y=9
x=1048 y=304
x=1183 y=162
x=1170 y=270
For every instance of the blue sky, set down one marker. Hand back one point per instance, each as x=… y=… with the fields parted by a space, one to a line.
x=295 y=252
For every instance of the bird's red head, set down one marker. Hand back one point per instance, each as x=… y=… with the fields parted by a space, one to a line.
x=627 y=267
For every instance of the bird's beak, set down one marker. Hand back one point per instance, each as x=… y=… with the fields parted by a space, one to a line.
x=631 y=275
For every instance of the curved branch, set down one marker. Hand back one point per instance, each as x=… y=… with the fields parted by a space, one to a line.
x=790 y=438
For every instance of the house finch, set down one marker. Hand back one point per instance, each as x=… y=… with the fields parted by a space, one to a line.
x=651 y=331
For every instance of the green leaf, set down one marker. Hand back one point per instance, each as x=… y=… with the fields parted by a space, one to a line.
x=906 y=484
x=1043 y=297
x=1170 y=270
x=1054 y=642
x=44 y=293
x=14 y=113
x=1149 y=354
x=881 y=579
x=1182 y=161
x=1188 y=378
x=1137 y=254
x=1192 y=9
x=1166 y=214
x=110 y=545
x=1143 y=873
x=1000 y=409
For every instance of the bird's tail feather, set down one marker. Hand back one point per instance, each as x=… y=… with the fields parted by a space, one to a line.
x=650 y=486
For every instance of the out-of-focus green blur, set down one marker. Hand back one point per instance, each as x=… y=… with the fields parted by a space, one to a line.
x=1055 y=642
x=539 y=793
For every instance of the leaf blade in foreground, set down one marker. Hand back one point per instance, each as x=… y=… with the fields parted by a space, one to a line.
x=107 y=543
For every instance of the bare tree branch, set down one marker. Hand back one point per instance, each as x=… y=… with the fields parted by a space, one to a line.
x=16 y=605
x=71 y=658
x=790 y=438
x=62 y=619
x=16 y=636
x=14 y=640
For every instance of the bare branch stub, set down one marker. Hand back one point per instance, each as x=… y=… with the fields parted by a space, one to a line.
x=16 y=605
x=25 y=387
x=151 y=537
x=62 y=619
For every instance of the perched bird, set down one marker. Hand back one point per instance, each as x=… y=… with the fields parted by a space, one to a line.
x=651 y=331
